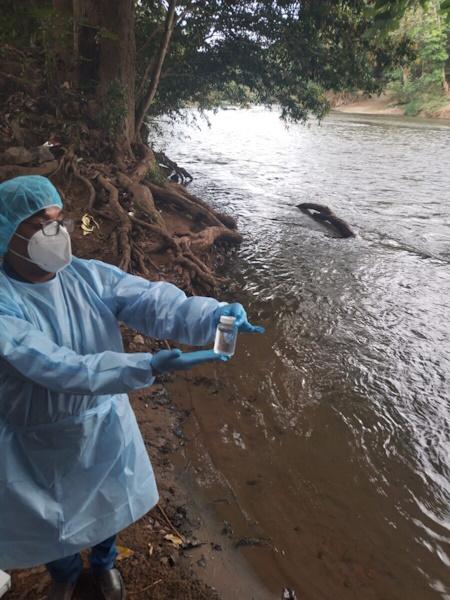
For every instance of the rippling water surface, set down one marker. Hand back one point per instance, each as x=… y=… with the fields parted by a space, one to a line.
x=334 y=432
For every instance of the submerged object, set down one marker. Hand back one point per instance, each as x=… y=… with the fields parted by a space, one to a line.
x=325 y=214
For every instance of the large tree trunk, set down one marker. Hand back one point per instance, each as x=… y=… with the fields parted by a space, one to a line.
x=118 y=59
x=105 y=44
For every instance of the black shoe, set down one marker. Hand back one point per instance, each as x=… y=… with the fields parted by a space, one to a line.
x=110 y=584
x=61 y=591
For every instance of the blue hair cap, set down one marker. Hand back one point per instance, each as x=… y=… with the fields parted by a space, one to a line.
x=20 y=198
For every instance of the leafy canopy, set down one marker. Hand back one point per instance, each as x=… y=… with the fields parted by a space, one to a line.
x=283 y=52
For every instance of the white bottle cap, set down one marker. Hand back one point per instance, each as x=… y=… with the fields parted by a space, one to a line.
x=226 y=320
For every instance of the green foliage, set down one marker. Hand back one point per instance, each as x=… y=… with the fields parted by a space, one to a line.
x=113 y=111
x=284 y=52
x=387 y=14
x=156 y=176
x=421 y=84
x=27 y=24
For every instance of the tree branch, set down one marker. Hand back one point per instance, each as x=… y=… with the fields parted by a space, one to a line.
x=146 y=101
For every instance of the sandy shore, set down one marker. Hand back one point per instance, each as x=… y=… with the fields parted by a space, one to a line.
x=382 y=105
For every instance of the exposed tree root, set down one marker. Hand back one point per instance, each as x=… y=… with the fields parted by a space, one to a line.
x=147 y=163
x=124 y=226
x=166 y=238
x=186 y=250
x=202 y=241
x=180 y=199
x=175 y=173
x=142 y=199
x=10 y=171
x=226 y=220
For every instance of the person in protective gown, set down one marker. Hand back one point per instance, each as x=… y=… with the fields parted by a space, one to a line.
x=74 y=469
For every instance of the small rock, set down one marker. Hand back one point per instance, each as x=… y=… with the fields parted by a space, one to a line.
x=138 y=339
x=179 y=432
x=161 y=397
x=227 y=529
x=190 y=544
x=216 y=547
x=202 y=562
x=165 y=449
x=173 y=560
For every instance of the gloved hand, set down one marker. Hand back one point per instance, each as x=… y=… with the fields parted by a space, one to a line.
x=175 y=360
x=238 y=311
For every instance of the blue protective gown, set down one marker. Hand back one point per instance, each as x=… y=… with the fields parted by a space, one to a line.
x=73 y=466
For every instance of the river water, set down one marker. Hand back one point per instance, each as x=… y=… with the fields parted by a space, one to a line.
x=329 y=436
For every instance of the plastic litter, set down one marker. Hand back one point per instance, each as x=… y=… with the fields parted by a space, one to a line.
x=88 y=224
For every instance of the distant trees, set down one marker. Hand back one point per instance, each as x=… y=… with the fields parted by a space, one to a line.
x=421 y=85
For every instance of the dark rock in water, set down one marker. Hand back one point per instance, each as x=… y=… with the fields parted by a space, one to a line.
x=288 y=594
x=326 y=215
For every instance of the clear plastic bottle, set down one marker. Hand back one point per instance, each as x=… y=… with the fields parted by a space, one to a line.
x=226 y=335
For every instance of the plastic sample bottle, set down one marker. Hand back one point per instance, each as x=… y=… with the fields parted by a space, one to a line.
x=226 y=335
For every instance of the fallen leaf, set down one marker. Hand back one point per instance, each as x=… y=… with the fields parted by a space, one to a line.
x=124 y=552
x=174 y=539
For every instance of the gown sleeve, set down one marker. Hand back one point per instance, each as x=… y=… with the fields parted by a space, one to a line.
x=157 y=309
x=60 y=369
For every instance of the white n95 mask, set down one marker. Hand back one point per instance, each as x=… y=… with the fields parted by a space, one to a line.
x=51 y=253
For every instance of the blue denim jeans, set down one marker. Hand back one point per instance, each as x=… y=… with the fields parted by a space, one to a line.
x=69 y=568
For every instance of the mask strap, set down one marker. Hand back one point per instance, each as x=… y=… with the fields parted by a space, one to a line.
x=21 y=236
x=22 y=256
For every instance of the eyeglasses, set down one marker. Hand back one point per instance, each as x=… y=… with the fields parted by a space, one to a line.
x=51 y=228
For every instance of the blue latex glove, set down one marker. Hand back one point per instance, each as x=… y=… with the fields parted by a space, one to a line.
x=175 y=360
x=238 y=311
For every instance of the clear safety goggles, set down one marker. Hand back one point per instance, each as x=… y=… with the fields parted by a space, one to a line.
x=51 y=228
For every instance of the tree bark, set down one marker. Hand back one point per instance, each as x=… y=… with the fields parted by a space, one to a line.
x=118 y=59
x=106 y=50
x=86 y=21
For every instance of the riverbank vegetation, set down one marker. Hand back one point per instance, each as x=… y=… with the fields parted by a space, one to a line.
x=421 y=85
